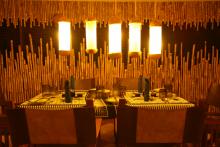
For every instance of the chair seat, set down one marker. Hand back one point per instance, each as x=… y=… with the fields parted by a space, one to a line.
x=4 y=124
x=4 y=130
x=212 y=123
x=212 y=119
x=210 y=114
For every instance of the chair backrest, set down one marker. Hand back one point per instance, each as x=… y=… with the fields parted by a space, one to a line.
x=5 y=105
x=51 y=127
x=150 y=126
x=84 y=84
x=126 y=124
x=74 y=126
x=213 y=96
x=129 y=83
x=160 y=126
x=194 y=126
x=4 y=123
x=18 y=126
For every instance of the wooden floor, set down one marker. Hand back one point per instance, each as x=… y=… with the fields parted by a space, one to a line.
x=107 y=138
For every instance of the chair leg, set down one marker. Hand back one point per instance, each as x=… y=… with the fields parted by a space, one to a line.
x=92 y=145
x=121 y=145
x=179 y=145
x=115 y=133
x=191 y=145
x=5 y=140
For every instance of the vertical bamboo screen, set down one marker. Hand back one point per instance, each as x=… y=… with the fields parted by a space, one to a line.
x=21 y=80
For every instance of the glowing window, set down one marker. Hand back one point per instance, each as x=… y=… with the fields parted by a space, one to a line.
x=114 y=38
x=91 y=36
x=155 y=41
x=134 y=37
x=64 y=36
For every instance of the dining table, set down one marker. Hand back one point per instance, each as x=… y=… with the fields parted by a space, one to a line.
x=134 y=99
x=104 y=106
x=56 y=101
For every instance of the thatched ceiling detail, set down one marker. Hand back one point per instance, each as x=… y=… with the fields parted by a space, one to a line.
x=119 y=10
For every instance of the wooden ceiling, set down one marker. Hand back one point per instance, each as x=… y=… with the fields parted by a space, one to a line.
x=176 y=11
x=132 y=0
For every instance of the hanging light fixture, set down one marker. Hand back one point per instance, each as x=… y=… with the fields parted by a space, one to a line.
x=91 y=37
x=155 y=41
x=134 y=39
x=64 y=35
x=114 y=33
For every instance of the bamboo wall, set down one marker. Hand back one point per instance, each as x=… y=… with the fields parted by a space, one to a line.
x=77 y=11
x=190 y=76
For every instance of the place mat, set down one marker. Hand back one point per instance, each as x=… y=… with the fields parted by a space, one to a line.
x=57 y=98
x=100 y=108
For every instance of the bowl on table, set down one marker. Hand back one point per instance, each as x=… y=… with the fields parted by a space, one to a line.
x=103 y=93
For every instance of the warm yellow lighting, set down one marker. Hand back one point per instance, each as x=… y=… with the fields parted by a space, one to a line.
x=134 y=38
x=91 y=43
x=155 y=41
x=64 y=36
x=114 y=38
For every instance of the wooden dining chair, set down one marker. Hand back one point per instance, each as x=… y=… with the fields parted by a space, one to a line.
x=18 y=127
x=84 y=84
x=194 y=126
x=128 y=83
x=63 y=127
x=212 y=120
x=126 y=125
x=4 y=124
x=144 y=126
